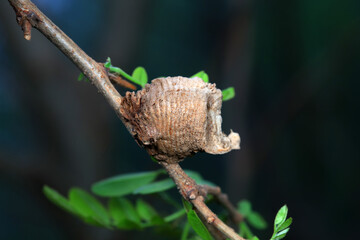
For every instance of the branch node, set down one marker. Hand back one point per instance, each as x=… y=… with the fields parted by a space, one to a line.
x=26 y=19
x=192 y=195
x=210 y=219
x=26 y=27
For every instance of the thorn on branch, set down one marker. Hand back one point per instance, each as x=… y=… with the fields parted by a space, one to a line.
x=26 y=27
x=26 y=19
x=191 y=195
x=210 y=219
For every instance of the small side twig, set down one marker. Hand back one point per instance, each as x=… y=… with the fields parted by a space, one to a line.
x=223 y=199
x=120 y=81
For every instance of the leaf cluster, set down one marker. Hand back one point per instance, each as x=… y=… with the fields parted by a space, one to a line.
x=255 y=220
x=281 y=224
x=140 y=77
x=122 y=213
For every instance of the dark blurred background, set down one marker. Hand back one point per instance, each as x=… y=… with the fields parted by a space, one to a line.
x=295 y=66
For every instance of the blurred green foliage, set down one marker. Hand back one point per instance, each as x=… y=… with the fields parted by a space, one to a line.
x=122 y=213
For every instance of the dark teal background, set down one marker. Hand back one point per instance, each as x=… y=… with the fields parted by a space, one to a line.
x=295 y=66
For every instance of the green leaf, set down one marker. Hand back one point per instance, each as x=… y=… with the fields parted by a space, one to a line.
x=281 y=216
x=140 y=74
x=194 y=175
x=201 y=75
x=155 y=187
x=123 y=184
x=228 y=93
x=256 y=220
x=205 y=182
x=198 y=178
x=82 y=77
x=282 y=234
x=169 y=199
x=245 y=230
x=124 y=214
x=185 y=233
x=284 y=225
x=145 y=211
x=107 y=64
x=148 y=213
x=88 y=206
x=59 y=200
x=175 y=215
x=254 y=238
x=244 y=207
x=198 y=226
x=187 y=206
x=281 y=224
x=118 y=214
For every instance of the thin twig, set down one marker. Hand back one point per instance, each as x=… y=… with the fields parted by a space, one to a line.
x=120 y=81
x=28 y=16
x=223 y=199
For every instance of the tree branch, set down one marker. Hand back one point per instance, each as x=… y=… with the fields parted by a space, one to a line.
x=223 y=199
x=28 y=16
x=194 y=194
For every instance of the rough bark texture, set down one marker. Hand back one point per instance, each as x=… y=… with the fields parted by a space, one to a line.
x=175 y=117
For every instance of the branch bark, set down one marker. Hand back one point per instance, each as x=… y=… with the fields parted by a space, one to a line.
x=28 y=16
x=194 y=193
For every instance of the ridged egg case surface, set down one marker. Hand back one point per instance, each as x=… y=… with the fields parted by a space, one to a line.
x=175 y=117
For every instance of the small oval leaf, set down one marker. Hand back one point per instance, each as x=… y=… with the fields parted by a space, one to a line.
x=244 y=207
x=282 y=234
x=198 y=226
x=88 y=206
x=123 y=184
x=187 y=205
x=124 y=214
x=201 y=75
x=59 y=200
x=140 y=74
x=281 y=216
x=228 y=93
x=256 y=220
x=284 y=225
x=155 y=187
x=145 y=211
